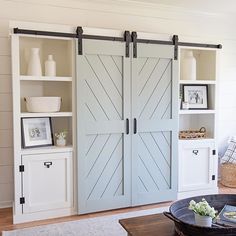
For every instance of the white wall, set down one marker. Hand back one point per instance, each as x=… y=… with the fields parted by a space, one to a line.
x=121 y=15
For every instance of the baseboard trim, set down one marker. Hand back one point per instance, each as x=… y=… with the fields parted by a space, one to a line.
x=6 y=204
x=199 y=192
x=28 y=217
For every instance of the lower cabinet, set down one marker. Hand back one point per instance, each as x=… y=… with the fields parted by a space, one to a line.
x=197 y=165
x=47 y=181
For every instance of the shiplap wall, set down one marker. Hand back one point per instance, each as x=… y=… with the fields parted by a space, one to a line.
x=120 y=15
x=6 y=152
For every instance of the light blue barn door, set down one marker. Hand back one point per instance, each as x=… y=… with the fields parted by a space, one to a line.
x=154 y=106
x=104 y=147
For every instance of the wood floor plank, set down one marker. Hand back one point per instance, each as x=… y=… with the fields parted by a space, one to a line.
x=6 y=214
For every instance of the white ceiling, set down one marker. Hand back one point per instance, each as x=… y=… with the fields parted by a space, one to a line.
x=213 y=6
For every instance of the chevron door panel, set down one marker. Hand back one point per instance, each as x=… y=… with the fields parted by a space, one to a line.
x=154 y=145
x=103 y=146
x=154 y=162
x=154 y=89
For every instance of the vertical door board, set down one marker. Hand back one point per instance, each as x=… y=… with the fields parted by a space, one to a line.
x=154 y=146
x=103 y=84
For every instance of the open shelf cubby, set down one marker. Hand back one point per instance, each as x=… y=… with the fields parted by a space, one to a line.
x=196 y=121
x=205 y=63
x=61 y=49
x=59 y=124
x=211 y=90
x=48 y=89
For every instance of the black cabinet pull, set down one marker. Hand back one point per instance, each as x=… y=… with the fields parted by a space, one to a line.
x=47 y=164
x=195 y=152
x=135 y=126
x=127 y=126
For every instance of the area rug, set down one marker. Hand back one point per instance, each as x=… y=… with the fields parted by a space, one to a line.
x=97 y=226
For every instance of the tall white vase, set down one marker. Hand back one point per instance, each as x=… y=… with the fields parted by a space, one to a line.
x=34 y=65
x=188 y=70
x=50 y=66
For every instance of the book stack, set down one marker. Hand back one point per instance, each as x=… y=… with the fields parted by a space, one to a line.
x=227 y=216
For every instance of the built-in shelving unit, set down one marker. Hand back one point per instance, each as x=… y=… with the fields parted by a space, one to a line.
x=47 y=179
x=53 y=163
x=206 y=74
x=198 y=157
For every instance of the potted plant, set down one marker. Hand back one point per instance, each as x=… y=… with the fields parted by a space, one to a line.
x=203 y=212
x=61 y=138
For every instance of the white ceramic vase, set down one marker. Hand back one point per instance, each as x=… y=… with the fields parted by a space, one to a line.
x=205 y=221
x=188 y=70
x=50 y=66
x=34 y=65
x=61 y=142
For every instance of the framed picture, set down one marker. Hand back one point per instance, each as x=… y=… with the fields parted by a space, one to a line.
x=36 y=132
x=196 y=96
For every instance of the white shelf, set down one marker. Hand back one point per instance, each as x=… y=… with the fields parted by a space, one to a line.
x=197 y=82
x=45 y=78
x=48 y=149
x=197 y=140
x=189 y=112
x=39 y=114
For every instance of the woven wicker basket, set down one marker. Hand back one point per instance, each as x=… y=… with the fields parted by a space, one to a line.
x=193 y=134
x=228 y=175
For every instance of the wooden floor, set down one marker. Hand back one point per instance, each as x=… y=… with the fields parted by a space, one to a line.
x=6 y=214
x=6 y=217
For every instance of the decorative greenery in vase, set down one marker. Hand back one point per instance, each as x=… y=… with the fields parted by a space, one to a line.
x=203 y=212
x=61 y=138
x=202 y=208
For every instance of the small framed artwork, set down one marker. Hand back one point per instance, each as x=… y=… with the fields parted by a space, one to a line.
x=196 y=96
x=36 y=132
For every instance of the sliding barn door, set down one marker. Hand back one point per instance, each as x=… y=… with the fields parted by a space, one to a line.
x=155 y=122
x=104 y=145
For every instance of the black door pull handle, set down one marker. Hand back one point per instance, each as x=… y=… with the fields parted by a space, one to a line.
x=47 y=164
x=195 y=152
x=135 y=126
x=127 y=126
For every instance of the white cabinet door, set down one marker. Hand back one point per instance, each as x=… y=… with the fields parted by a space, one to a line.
x=47 y=181
x=196 y=166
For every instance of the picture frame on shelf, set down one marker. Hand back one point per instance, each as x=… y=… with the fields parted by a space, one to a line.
x=36 y=132
x=196 y=96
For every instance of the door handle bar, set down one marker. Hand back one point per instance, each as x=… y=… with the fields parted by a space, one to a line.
x=127 y=126
x=47 y=164
x=135 y=126
x=195 y=152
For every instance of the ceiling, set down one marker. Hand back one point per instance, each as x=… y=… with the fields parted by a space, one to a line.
x=213 y=6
